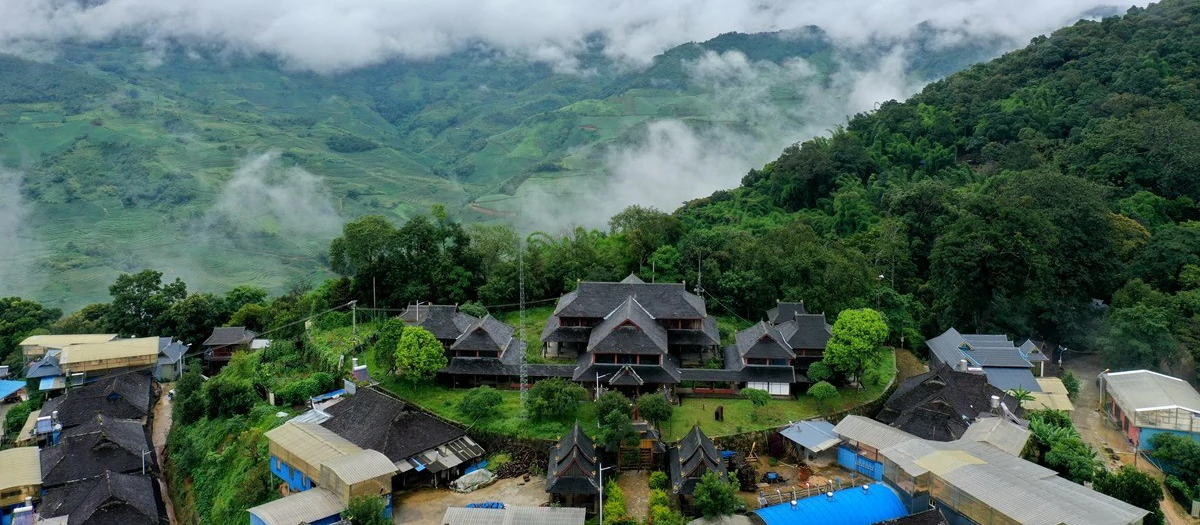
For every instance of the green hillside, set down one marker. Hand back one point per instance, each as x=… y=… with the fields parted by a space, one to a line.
x=126 y=153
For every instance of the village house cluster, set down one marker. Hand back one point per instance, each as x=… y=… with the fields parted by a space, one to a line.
x=944 y=448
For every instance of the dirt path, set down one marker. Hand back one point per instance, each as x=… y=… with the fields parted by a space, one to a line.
x=636 y=487
x=1113 y=447
x=426 y=507
x=158 y=435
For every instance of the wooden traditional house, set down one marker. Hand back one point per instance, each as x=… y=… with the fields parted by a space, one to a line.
x=694 y=456
x=444 y=321
x=940 y=404
x=485 y=353
x=224 y=341
x=109 y=499
x=785 y=311
x=572 y=476
x=807 y=335
x=765 y=359
x=90 y=450
x=121 y=396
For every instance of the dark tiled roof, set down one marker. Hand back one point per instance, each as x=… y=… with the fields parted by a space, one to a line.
x=632 y=279
x=486 y=334
x=554 y=332
x=929 y=517
x=373 y=420
x=940 y=404
x=563 y=371
x=784 y=312
x=666 y=373
x=572 y=465
x=663 y=301
x=444 y=321
x=230 y=335
x=87 y=451
x=806 y=331
x=691 y=459
x=762 y=341
x=767 y=374
x=122 y=396
x=708 y=335
x=110 y=499
x=629 y=329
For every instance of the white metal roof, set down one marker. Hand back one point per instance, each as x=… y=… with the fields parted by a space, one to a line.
x=305 y=507
x=312 y=443
x=21 y=466
x=514 y=516
x=998 y=432
x=1139 y=390
x=869 y=432
x=360 y=466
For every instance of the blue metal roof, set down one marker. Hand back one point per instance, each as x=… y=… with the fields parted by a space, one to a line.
x=8 y=388
x=812 y=435
x=1011 y=378
x=850 y=506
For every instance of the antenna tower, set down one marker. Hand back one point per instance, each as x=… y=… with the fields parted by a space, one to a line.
x=521 y=329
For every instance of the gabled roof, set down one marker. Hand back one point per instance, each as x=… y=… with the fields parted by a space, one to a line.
x=47 y=366
x=632 y=279
x=1034 y=352
x=305 y=507
x=115 y=349
x=122 y=396
x=661 y=300
x=21 y=467
x=806 y=331
x=572 y=465
x=310 y=442
x=1140 y=390
x=940 y=404
x=229 y=336
x=691 y=459
x=376 y=421
x=784 y=312
x=812 y=435
x=998 y=432
x=985 y=350
x=170 y=350
x=628 y=329
x=763 y=341
x=444 y=321
x=666 y=373
x=59 y=341
x=110 y=499
x=357 y=467
x=487 y=334
x=870 y=432
x=87 y=451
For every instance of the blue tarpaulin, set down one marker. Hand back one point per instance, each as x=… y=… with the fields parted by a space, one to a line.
x=852 y=506
x=486 y=505
x=477 y=466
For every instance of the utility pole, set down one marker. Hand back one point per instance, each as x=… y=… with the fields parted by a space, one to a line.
x=354 y=319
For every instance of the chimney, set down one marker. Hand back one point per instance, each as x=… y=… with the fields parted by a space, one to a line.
x=995 y=402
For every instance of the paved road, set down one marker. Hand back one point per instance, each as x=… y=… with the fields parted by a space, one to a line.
x=158 y=435
x=1113 y=446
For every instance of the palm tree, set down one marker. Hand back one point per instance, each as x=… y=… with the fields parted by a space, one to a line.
x=1021 y=395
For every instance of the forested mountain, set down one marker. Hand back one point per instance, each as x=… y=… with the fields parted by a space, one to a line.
x=223 y=168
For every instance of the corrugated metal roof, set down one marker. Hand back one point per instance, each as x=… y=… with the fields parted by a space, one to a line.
x=1012 y=378
x=360 y=466
x=870 y=432
x=305 y=507
x=1018 y=489
x=21 y=466
x=1144 y=390
x=310 y=442
x=812 y=435
x=514 y=516
x=998 y=432
x=1053 y=395
x=852 y=506
x=116 y=349
x=58 y=341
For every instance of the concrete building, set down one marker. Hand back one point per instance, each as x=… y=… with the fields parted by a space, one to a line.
x=1144 y=403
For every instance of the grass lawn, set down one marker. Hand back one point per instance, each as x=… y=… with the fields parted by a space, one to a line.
x=740 y=415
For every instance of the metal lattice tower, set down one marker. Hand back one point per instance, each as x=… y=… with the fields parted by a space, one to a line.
x=521 y=329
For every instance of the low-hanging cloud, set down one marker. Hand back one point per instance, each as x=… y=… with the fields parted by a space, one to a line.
x=265 y=196
x=18 y=246
x=326 y=37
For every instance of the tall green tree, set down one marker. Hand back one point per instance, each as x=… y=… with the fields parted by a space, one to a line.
x=554 y=398
x=18 y=318
x=856 y=341
x=715 y=496
x=654 y=407
x=139 y=302
x=419 y=355
x=1135 y=488
x=386 y=341
x=192 y=318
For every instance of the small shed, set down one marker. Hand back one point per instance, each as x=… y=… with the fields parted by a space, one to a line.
x=12 y=391
x=813 y=440
x=22 y=477
x=299 y=449
x=314 y=507
x=362 y=473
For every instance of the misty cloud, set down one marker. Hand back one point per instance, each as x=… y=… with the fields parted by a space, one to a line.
x=264 y=196
x=334 y=36
x=18 y=249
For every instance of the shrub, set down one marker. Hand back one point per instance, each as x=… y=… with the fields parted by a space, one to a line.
x=366 y=510
x=1179 y=490
x=823 y=393
x=659 y=480
x=1071 y=383
x=758 y=398
x=659 y=498
x=554 y=398
x=419 y=355
x=715 y=497
x=820 y=371
x=16 y=416
x=347 y=143
x=480 y=402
